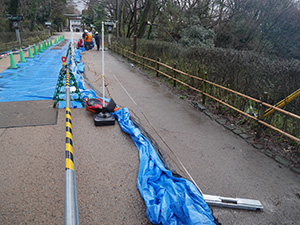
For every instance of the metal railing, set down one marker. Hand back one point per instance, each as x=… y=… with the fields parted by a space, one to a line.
x=157 y=67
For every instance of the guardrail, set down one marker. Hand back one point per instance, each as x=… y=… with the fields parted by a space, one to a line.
x=216 y=89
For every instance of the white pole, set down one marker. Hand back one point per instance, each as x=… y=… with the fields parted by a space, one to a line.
x=103 y=62
x=72 y=47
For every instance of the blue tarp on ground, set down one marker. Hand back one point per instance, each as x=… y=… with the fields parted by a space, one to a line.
x=34 y=80
x=37 y=79
x=169 y=199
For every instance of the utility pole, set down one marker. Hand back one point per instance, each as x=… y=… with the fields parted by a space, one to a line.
x=134 y=36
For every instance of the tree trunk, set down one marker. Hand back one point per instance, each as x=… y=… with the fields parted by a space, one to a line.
x=143 y=21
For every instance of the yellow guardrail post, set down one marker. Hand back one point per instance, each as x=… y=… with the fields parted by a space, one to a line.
x=283 y=102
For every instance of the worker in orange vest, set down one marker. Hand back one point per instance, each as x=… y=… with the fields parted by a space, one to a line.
x=87 y=40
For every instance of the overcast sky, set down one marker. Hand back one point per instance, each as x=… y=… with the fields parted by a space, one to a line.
x=80 y=4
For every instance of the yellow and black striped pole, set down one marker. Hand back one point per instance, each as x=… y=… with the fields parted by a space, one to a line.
x=69 y=141
x=71 y=201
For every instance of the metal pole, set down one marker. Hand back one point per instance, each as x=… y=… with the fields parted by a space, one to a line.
x=134 y=36
x=71 y=201
x=72 y=48
x=103 y=89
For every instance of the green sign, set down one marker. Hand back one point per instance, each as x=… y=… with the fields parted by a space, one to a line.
x=15 y=18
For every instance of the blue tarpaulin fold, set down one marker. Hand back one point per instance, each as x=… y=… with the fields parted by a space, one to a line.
x=169 y=199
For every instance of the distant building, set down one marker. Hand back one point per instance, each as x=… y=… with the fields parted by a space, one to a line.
x=74 y=21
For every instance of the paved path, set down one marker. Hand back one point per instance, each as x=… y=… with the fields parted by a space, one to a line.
x=221 y=163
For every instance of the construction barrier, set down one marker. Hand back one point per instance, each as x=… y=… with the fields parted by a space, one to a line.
x=35 y=52
x=30 y=55
x=22 y=57
x=75 y=95
x=13 y=64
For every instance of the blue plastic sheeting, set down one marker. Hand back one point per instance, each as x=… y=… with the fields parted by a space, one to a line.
x=80 y=67
x=34 y=80
x=77 y=55
x=169 y=199
x=92 y=44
